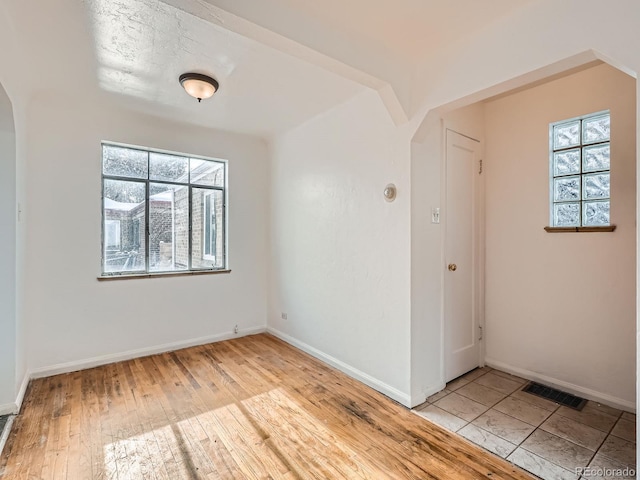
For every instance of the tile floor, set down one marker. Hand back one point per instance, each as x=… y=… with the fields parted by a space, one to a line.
x=489 y=408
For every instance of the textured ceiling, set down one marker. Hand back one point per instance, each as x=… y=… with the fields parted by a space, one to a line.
x=142 y=46
x=279 y=62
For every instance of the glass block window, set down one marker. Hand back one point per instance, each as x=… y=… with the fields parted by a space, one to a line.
x=161 y=212
x=580 y=155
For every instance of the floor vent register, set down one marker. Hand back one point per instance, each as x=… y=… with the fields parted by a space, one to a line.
x=554 y=395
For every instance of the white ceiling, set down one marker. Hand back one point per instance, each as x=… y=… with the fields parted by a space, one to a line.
x=142 y=46
x=279 y=62
x=409 y=29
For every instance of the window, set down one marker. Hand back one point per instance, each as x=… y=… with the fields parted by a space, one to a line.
x=162 y=212
x=580 y=177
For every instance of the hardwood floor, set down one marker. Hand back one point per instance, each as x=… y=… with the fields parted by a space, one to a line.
x=253 y=407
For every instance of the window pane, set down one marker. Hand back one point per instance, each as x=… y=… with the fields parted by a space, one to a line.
x=207 y=172
x=169 y=168
x=112 y=235
x=596 y=129
x=595 y=186
x=168 y=227
x=124 y=226
x=207 y=241
x=567 y=162
x=124 y=162
x=596 y=213
x=566 y=135
x=566 y=214
x=566 y=189
x=596 y=158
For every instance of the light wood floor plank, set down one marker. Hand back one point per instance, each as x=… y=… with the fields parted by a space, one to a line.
x=249 y=408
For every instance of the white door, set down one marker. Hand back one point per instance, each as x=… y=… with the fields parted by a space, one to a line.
x=461 y=332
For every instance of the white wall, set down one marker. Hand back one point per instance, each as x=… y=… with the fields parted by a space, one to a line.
x=341 y=255
x=70 y=316
x=21 y=379
x=560 y=305
x=427 y=244
x=7 y=255
x=340 y=252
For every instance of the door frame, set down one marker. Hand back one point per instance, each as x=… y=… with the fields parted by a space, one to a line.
x=478 y=246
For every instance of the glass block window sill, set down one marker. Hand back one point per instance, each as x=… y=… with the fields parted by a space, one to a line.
x=161 y=274
x=607 y=228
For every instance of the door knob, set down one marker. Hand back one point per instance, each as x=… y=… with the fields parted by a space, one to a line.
x=453 y=267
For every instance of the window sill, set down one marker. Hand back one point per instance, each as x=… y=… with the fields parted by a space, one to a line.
x=161 y=274
x=608 y=228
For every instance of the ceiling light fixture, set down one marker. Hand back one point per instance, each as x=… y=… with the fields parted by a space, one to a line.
x=198 y=85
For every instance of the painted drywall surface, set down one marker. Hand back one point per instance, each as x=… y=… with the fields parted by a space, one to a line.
x=562 y=305
x=7 y=263
x=21 y=379
x=71 y=316
x=427 y=264
x=340 y=252
x=427 y=375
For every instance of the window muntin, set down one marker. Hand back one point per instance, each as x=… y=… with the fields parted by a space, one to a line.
x=154 y=218
x=580 y=180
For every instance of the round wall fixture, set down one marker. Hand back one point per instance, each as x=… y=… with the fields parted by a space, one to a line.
x=390 y=192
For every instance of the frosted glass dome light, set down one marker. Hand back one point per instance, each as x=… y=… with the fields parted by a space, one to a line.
x=198 y=85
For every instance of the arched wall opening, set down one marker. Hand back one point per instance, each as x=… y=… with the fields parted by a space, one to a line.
x=8 y=220
x=532 y=334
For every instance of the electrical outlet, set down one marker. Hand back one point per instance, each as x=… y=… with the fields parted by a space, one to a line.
x=283 y=315
x=235 y=329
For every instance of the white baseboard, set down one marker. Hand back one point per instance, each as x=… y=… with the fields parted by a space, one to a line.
x=14 y=408
x=417 y=400
x=433 y=390
x=142 y=352
x=420 y=398
x=374 y=383
x=22 y=391
x=568 y=387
